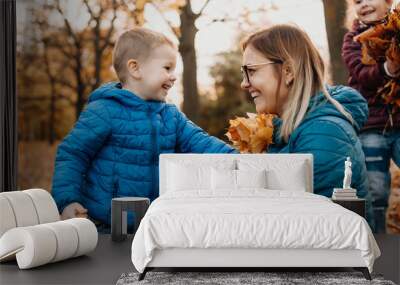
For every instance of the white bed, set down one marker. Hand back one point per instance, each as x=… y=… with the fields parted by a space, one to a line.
x=264 y=216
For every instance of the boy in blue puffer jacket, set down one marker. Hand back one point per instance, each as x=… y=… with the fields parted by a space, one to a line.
x=113 y=149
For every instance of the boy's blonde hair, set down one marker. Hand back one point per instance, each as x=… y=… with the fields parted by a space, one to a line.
x=136 y=43
x=351 y=13
x=289 y=44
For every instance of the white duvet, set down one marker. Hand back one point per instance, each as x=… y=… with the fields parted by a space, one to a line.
x=255 y=218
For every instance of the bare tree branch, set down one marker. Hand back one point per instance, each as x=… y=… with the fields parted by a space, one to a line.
x=54 y=44
x=107 y=39
x=67 y=84
x=91 y=12
x=202 y=8
x=47 y=64
x=221 y=20
x=68 y=99
x=169 y=23
x=89 y=9
x=101 y=10
x=66 y=22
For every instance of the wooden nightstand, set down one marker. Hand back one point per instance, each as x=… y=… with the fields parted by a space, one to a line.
x=356 y=205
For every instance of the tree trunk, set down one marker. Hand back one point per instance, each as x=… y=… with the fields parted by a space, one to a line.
x=187 y=50
x=335 y=11
x=98 y=56
x=80 y=84
x=52 y=107
x=52 y=113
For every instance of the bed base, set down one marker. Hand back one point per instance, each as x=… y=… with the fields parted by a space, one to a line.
x=239 y=260
x=363 y=270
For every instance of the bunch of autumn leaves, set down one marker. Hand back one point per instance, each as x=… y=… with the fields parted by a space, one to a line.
x=378 y=43
x=252 y=134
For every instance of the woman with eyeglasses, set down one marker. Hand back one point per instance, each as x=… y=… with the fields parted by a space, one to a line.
x=284 y=74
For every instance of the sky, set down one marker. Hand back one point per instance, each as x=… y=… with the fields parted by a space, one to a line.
x=213 y=38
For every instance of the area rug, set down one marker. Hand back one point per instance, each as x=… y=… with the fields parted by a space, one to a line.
x=242 y=278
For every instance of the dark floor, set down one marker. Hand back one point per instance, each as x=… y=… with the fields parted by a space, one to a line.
x=389 y=262
x=106 y=264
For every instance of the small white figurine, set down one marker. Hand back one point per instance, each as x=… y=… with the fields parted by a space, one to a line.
x=347 y=174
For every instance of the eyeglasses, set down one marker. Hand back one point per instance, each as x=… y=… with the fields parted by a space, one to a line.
x=245 y=68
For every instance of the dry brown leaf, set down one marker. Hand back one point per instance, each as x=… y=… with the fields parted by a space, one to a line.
x=252 y=134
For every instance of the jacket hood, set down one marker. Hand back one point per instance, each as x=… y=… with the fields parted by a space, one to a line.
x=349 y=98
x=114 y=91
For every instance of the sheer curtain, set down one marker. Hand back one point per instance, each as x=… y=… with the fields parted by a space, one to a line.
x=8 y=98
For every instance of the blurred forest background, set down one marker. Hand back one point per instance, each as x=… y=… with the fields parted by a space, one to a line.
x=64 y=52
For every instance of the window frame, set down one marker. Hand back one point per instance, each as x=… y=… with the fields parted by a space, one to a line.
x=8 y=97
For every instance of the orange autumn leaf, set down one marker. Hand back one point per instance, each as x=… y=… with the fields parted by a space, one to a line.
x=261 y=139
x=374 y=32
x=393 y=52
x=244 y=130
x=252 y=134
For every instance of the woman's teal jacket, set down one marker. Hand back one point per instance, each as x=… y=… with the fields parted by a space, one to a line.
x=331 y=137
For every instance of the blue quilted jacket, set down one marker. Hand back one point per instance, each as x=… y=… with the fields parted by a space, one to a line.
x=330 y=137
x=113 y=149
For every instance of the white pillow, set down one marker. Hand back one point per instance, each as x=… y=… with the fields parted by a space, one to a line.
x=223 y=179
x=251 y=178
x=238 y=179
x=183 y=178
x=186 y=174
x=281 y=174
x=207 y=161
x=293 y=179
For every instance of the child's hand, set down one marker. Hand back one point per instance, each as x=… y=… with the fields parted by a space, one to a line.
x=392 y=67
x=74 y=210
x=392 y=59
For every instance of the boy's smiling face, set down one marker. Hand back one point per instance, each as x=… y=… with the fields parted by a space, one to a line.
x=157 y=73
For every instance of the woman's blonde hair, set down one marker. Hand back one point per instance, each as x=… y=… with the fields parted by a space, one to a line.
x=290 y=45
